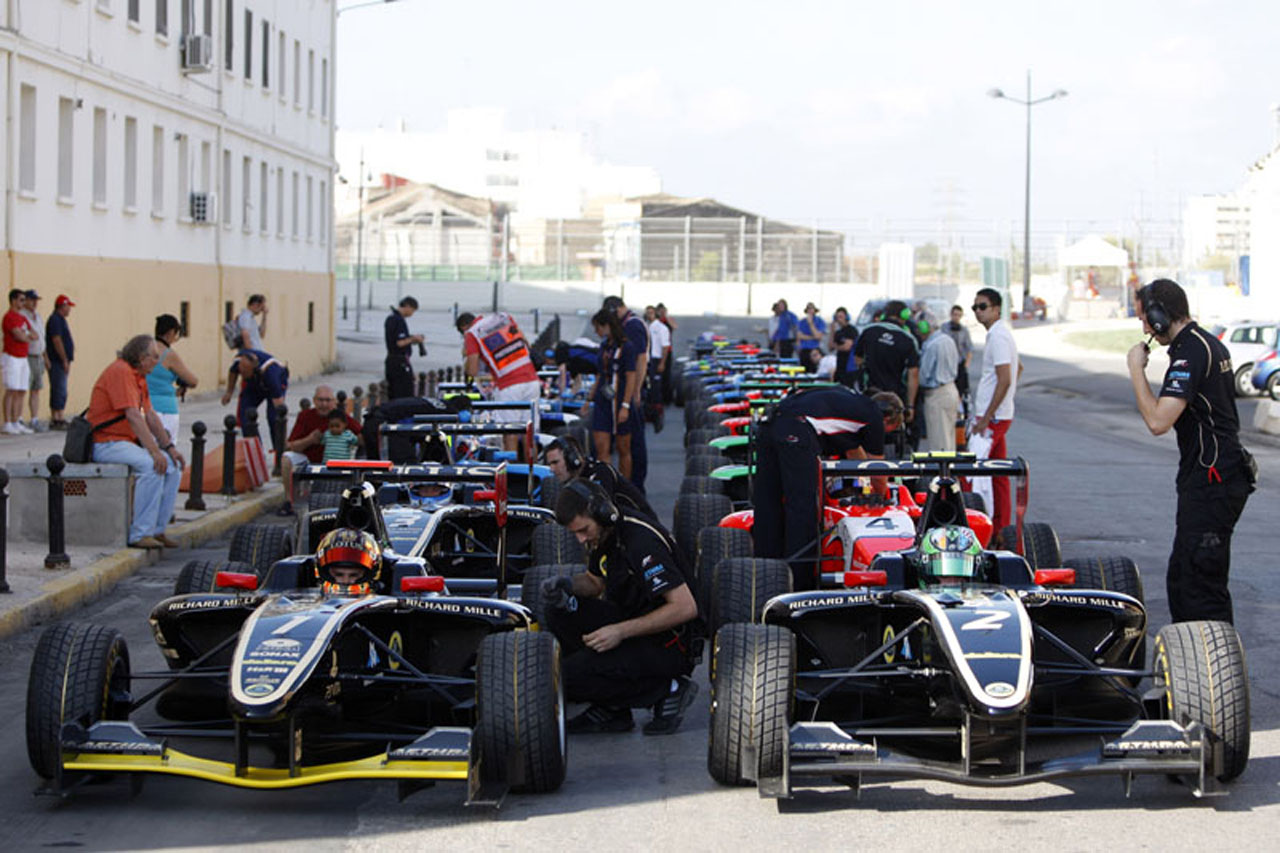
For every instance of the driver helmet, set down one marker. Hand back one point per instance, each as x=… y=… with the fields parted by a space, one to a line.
x=949 y=554
x=431 y=495
x=348 y=562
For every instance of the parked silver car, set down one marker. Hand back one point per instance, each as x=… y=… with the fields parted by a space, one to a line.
x=1246 y=340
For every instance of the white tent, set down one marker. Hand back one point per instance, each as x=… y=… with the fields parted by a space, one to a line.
x=1093 y=251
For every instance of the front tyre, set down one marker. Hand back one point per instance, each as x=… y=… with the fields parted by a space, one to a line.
x=520 y=726
x=79 y=674
x=751 y=702
x=1200 y=667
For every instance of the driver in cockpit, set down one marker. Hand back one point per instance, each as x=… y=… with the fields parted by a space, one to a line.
x=348 y=562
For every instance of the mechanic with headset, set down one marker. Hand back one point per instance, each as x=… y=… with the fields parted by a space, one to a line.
x=1215 y=473
x=566 y=459
x=626 y=624
x=889 y=357
x=820 y=422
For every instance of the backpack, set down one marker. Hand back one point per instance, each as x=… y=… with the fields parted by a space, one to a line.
x=231 y=334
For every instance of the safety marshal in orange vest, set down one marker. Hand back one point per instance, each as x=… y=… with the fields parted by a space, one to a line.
x=497 y=339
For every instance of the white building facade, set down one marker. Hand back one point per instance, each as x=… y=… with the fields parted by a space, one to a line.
x=171 y=156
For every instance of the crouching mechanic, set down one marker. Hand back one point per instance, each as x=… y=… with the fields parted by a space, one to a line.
x=567 y=461
x=822 y=422
x=624 y=625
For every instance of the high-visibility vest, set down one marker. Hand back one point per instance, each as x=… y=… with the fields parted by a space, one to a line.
x=501 y=345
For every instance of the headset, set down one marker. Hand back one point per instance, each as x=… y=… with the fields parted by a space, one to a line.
x=599 y=508
x=568 y=448
x=1157 y=315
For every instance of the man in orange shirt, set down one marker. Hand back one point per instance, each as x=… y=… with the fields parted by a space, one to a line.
x=128 y=432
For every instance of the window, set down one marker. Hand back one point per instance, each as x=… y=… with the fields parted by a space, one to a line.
x=266 y=54
x=206 y=157
x=66 y=147
x=262 y=196
x=311 y=80
x=324 y=87
x=99 y=156
x=130 y=163
x=228 y=33
x=246 y=175
x=324 y=203
x=297 y=72
x=104 y=6
x=184 y=177
x=280 y=201
x=226 y=187
x=134 y=11
x=27 y=141
x=311 y=316
x=162 y=17
x=228 y=311
x=295 y=205
x=157 y=170
x=197 y=9
x=184 y=316
x=248 y=45
x=311 y=232
x=280 y=63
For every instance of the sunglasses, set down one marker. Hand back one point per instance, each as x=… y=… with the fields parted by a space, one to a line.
x=980 y=306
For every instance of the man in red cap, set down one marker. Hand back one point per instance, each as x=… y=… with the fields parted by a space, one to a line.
x=61 y=351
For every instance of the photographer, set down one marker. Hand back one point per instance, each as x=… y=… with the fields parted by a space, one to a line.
x=1215 y=473
x=398 y=340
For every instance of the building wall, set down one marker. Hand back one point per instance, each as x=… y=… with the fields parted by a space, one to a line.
x=109 y=139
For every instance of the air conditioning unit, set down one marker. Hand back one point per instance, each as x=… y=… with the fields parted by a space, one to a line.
x=197 y=52
x=204 y=208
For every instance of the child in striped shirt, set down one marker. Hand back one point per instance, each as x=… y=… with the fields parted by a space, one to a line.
x=339 y=442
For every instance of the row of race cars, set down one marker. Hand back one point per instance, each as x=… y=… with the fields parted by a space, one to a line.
x=885 y=668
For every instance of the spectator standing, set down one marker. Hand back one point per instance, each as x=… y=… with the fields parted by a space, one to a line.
x=959 y=333
x=37 y=359
x=843 y=341
x=339 y=440
x=996 y=387
x=18 y=336
x=638 y=333
x=497 y=340
x=253 y=329
x=668 y=387
x=659 y=363
x=128 y=432
x=396 y=333
x=839 y=320
x=262 y=378
x=169 y=375
x=939 y=361
x=305 y=444
x=61 y=350
x=611 y=410
x=811 y=332
x=783 y=339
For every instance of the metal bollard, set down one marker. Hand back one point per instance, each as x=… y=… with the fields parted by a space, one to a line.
x=448 y=373
x=384 y=393
x=357 y=402
x=373 y=397
x=195 y=486
x=229 y=456
x=57 y=557
x=304 y=404
x=277 y=437
x=344 y=307
x=422 y=383
x=4 y=529
x=537 y=321
x=341 y=397
x=433 y=382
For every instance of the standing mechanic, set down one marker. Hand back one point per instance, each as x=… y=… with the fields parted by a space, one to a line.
x=497 y=340
x=889 y=357
x=398 y=340
x=1215 y=473
x=821 y=422
x=261 y=377
x=638 y=334
x=567 y=461
x=626 y=623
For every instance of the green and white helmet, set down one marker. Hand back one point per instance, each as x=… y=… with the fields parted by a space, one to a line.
x=949 y=553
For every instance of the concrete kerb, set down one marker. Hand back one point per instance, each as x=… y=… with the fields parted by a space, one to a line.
x=64 y=594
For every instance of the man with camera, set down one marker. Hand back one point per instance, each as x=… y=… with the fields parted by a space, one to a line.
x=398 y=340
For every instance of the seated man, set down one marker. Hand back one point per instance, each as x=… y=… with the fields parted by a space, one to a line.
x=348 y=562
x=305 y=444
x=625 y=624
x=565 y=458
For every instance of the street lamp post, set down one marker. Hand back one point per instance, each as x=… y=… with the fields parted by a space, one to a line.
x=1026 y=207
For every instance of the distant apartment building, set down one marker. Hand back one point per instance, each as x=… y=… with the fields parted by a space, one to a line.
x=172 y=156
x=1215 y=225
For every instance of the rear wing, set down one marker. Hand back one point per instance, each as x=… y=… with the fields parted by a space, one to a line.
x=926 y=465
x=383 y=471
x=428 y=426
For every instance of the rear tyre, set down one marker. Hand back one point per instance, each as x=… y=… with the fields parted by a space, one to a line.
x=79 y=674
x=548 y=492
x=701 y=485
x=703 y=435
x=199 y=575
x=694 y=512
x=520 y=730
x=326 y=494
x=742 y=586
x=260 y=545
x=554 y=544
x=701 y=465
x=531 y=586
x=1040 y=543
x=1118 y=574
x=1244 y=380
x=1200 y=666
x=751 y=702
x=713 y=545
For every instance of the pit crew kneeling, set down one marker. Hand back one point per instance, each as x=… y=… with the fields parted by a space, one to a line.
x=625 y=624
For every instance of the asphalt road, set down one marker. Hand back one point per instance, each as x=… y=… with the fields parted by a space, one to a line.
x=1096 y=476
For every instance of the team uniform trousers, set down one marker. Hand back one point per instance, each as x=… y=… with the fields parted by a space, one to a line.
x=785 y=496
x=399 y=377
x=250 y=398
x=1200 y=562
x=635 y=673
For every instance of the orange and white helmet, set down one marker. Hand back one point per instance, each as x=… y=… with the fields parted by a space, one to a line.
x=348 y=562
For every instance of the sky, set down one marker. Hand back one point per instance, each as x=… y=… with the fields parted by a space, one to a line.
x=851 y=110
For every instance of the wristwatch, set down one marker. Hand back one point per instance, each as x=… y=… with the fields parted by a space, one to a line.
x=626 y=405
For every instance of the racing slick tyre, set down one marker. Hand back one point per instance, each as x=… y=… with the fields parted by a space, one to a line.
x=973 y=500
x=713 y=545
x=701 y=485
x=555 y=544
x=520 y=726
x=260 y=545
x=742 y=586
x=751 y=702
x=531 y=585
x=199 y=575
x=79 y=674
x=1040 y=541
x=548 y=492
x=705 y=450
x=694 y=512
x=1118 y=574
x=703 y=435
x=1200 y=667
x=1244 y=380
x=326 y=494
x=702 y=464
